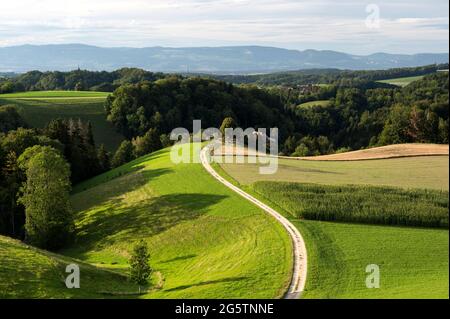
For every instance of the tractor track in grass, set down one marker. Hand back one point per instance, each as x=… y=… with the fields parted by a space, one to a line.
x=299 y=272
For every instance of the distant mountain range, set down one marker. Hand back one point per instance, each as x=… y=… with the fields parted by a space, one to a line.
x=220 y=60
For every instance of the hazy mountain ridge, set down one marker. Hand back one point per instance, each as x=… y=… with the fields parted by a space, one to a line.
x=239 y=59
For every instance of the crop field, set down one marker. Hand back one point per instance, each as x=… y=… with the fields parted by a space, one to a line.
x=29 y=272
x=414 y=262
x=205 y=241
x=402 y=82
x=385 y=152
x=323 y=103
x=37 y=112
x=360 y=204
x=429 y=172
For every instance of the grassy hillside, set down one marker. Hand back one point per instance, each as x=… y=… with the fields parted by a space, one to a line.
x=27 y=272
x=38 y=108
x=54 y=94
x=402 y=81
x=205 y=241
x=412 y=172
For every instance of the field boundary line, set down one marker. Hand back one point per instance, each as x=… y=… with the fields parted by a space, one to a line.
x=299 y=273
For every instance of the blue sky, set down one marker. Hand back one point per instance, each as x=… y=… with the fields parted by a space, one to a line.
x=404 y=26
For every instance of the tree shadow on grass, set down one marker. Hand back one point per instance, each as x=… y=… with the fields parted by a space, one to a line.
x=119 y=222
x=109 y=192
x=178 y=259
x=124 y=170
x=205 y=283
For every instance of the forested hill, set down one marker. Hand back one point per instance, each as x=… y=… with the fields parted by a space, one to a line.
x=351 y=111
x=80 y=80
x=330 y=76
x=351 y=118
x=240 y=59
x=109 y=81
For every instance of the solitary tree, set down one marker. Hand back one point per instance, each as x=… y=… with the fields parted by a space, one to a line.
x=49 y=220
x=139 y=263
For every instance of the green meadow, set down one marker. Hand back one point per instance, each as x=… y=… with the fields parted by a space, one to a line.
x=402 y=82
x=39 y=108
x=413 y=261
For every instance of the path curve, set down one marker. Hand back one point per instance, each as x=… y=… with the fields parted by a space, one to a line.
x=298 y=280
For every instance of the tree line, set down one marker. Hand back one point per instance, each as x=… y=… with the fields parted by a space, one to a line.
x=37 y=169
x=80 y=80
x=336 y=77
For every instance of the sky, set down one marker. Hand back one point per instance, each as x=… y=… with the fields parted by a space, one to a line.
x=352 y=26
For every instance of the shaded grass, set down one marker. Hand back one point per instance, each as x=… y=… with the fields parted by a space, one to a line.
x=360 y=204
x=39 y=112
x=430 y=172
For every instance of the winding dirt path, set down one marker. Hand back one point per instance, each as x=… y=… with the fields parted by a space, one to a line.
x=298 y=280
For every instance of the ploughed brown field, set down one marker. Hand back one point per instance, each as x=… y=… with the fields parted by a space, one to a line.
x=390 y=151
x=384 y=152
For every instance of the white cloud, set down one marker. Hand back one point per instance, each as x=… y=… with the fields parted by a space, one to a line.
x=406 y=26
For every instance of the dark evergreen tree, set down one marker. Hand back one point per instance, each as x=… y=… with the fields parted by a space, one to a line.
x=123 y=155
x=104 y=160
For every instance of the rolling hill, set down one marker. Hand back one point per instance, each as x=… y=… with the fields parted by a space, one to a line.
x=205 y=241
